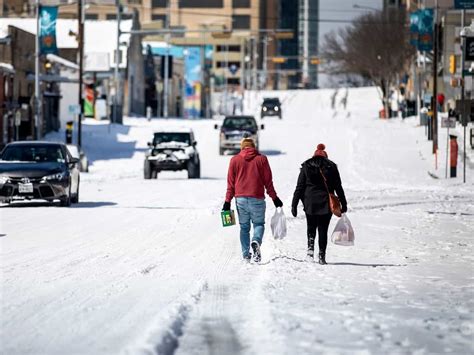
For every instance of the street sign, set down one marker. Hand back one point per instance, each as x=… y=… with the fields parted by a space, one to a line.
x=18 y=118
x=448 y=122
x=463 y=4
x=74 y=109
x=469 y=52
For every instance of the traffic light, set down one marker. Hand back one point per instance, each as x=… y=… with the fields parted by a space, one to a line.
x=452 y=64
x=47 y=66
x=279 y=60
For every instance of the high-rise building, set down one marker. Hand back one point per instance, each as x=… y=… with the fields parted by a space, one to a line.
x=302 y=18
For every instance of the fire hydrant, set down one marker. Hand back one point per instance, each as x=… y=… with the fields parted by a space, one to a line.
x=453 y=145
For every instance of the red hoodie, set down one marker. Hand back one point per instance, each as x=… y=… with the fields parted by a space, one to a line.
x=249 y=174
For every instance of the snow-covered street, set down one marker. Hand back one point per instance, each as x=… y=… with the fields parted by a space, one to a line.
x=144 y=266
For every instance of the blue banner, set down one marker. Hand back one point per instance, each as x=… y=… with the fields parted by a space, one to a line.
x=414 y=25
x=193 y=82
x=47 y=24
x=425 y=30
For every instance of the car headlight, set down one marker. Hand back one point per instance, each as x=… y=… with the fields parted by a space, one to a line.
x=264 y=108
x=58 y=176
x=4 y=180
x=276 y=108
x=222 y=135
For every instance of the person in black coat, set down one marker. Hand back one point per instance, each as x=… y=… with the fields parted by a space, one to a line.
x=311 y=190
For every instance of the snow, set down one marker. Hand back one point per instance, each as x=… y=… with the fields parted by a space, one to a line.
x=144 y=266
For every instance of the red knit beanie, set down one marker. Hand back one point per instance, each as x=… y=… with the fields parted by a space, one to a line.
x=320 y=151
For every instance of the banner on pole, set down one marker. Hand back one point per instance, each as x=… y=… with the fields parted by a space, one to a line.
x=414 y=23
x=193 y=82
x=47 y=27
x=421 y=29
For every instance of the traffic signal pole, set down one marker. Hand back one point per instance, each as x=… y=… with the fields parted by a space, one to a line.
x=80 y=20
x=435 y=87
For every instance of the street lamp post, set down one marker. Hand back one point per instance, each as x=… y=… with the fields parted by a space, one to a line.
x=37 y=100
x=80 y=20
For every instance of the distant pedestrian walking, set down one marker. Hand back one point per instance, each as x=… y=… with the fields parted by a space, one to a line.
x=317 y=176
x=248 y=177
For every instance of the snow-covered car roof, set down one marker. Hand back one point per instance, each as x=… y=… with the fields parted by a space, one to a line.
x=175 y=130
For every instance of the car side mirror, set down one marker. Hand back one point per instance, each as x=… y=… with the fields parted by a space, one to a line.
x=150 y=144
x=195 y=143
x=216 y=126
x=262 y=126
x=73 y=162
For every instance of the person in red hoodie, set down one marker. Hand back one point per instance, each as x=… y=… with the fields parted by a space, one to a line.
x=248 y=177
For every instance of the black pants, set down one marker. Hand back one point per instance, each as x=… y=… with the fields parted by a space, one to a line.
x=320 y=222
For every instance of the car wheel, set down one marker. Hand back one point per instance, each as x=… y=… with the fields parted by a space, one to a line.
x=154 y=174
x=221 y=151
x=193 y=171
x=147 y=170
x=75 y=198
x=66 y=201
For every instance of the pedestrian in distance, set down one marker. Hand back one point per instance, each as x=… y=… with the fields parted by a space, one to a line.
x=318 y=176
x=248 y=177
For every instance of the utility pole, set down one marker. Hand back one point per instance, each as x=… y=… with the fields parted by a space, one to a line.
x=463 y=104
x=117 y=64
x=80 y=20
x=255 y=63
x=435 y=86
x=37 y=100
x=305 y=43
x=166 y=64
x=265 y=58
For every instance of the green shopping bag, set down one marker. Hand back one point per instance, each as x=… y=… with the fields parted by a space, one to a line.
x=228 y=218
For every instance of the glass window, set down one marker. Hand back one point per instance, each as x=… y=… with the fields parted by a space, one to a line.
x=241 y=22
x=34 y=153
x=240 y=123
x=231 y=48
x=159 y=3
x=158 y=17
x=171 y=137
x=240 y=3
x=92 y=17
x=201 y=3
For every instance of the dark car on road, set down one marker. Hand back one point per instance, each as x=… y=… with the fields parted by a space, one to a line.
x=172 y=151
x=33 y=170
x=233 y=129
x=271 y=106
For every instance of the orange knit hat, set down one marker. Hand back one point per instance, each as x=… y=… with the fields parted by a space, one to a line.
x=320 y=151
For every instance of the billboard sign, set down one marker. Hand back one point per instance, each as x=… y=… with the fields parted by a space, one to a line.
x=464 y=4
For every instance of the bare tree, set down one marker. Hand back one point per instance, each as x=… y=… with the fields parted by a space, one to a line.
x=376 y=46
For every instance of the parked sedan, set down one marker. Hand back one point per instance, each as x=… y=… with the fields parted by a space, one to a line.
x=38 y=170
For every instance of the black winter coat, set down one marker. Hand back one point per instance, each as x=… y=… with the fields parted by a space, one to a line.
x=311 y=190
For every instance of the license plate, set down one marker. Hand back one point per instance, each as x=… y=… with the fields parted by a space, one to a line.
x=25 y=188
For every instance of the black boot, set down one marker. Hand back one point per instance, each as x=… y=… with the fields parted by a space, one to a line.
x=311 y=238
x=322 y=258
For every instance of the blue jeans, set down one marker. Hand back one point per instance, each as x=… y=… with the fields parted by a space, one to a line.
x=250 y=209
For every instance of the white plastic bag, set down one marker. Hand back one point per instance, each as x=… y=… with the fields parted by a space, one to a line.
x=343 y=232
x=278 y=224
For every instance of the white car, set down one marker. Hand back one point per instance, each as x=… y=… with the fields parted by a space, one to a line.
x=172 y=151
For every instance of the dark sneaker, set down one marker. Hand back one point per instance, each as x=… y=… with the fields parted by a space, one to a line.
x=256 y=251
x=247 y=257
x=322 y=259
